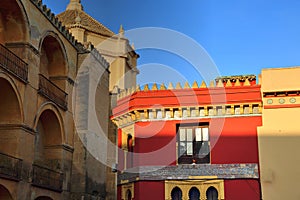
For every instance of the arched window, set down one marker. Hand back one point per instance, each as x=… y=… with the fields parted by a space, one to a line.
x=130 y=143
x=129 y=162
x=176 y=194
x=128 y=195
x=212 y=193
x=194 y=194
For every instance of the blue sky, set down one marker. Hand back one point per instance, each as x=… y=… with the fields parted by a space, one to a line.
x=241 y=36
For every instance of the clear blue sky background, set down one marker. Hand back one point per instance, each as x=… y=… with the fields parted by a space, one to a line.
x=241 y=36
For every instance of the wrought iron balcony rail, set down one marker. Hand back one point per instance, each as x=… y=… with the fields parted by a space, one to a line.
x=47 y=178
x=52 y=92
x=10 y=167
x=13 y=64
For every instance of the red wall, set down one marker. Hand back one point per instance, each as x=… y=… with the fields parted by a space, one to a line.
x=233 y=140
x=155 y=143
x=119 y=193
x=149 y=190
x=146 y=190
x=237 y=142
x=242 y=189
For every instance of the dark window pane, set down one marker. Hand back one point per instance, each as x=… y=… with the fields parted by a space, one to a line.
x=176 y=194
x=197 y=147
x=194 y=194
x=212 y=193
x=128 y=195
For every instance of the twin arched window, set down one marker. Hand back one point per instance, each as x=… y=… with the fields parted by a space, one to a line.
x=194 y=194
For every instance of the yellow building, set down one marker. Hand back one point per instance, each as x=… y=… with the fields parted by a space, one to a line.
x=278 y=137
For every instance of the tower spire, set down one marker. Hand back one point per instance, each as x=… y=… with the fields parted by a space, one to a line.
x=75 y=5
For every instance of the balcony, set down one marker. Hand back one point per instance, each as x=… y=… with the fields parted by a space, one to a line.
x=13 y=64
x=10 y=167
x=47 y=178
x=52 y=92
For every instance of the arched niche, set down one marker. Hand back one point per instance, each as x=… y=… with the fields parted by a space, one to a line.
x=48 y=140
x=4 y=193
x=13 y=22
x=53 y=60
x=10 y=108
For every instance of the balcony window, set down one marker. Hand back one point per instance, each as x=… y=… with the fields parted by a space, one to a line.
x=193 y=144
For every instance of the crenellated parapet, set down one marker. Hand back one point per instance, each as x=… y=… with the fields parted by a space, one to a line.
x=219 y=82
x=236 y=98
x=56 y=22
x=239 y=80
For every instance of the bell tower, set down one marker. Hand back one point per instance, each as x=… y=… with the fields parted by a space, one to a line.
x=75 y=5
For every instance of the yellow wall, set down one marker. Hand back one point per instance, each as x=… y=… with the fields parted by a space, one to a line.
x=279 y=139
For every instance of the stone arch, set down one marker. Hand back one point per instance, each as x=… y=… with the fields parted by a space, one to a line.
x=43 y=198
x=11 y=111
x=51 y=106
x=53 y=60
x=4 y=193
x=14 y=23
x=49 y=137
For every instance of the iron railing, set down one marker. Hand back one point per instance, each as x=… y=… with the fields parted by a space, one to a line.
x=47 y=178
x=52 y=92
x=10 y=167
x=13 y=64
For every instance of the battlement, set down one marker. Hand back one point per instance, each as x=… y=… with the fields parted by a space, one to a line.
x=55 y=21
x=219 y=82
x=223 y=97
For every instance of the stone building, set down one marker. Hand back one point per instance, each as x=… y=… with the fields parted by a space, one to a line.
x=42 y=154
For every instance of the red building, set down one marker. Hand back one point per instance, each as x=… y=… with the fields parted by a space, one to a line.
x=194 y=142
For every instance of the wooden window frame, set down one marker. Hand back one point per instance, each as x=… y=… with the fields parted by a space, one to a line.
x=185 y=156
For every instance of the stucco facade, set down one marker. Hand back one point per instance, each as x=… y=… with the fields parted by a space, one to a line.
x=279 y=134
x=41 y=153
x=151 y=123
